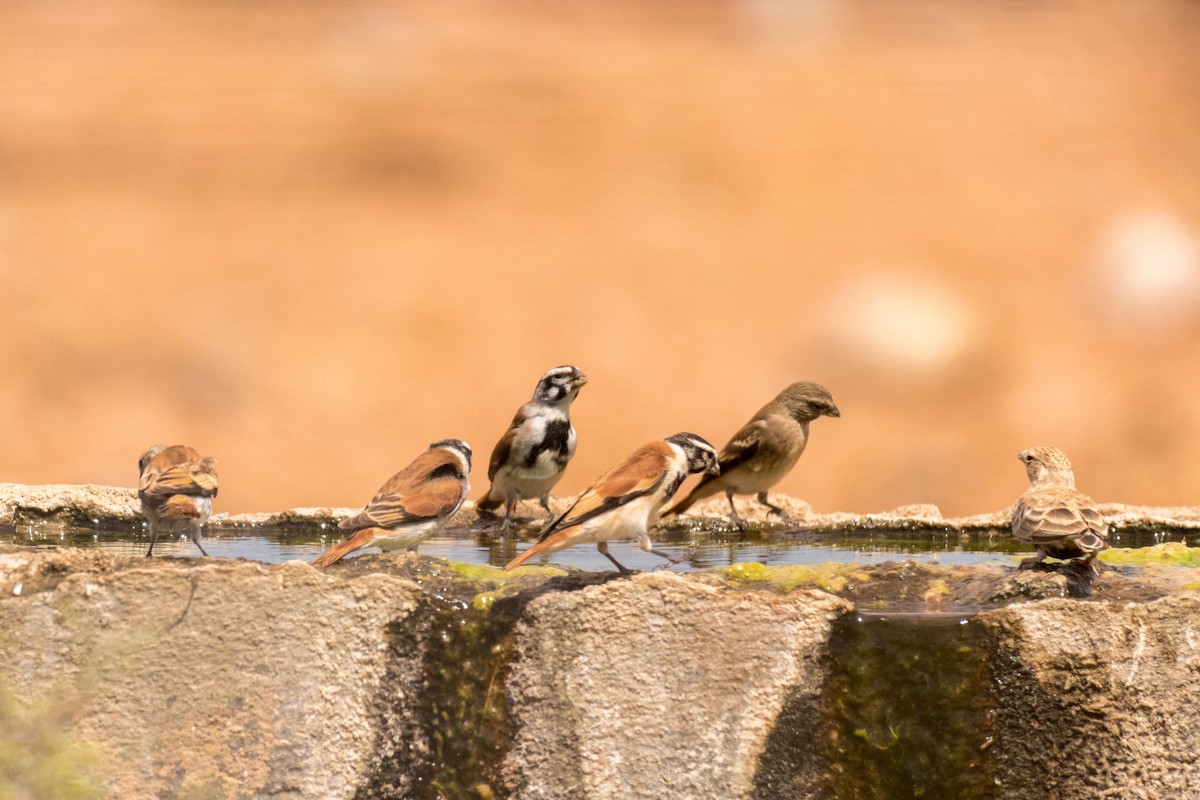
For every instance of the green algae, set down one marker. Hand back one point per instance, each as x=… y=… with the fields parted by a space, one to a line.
x=451 y=739
x=912 y=709
x=907 y=710
x=465 y=706
x=1173 y=554
x=831 y=576
x=486 y=573
x=39 y=758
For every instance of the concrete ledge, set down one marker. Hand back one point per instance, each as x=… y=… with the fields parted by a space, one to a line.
x=89 y=504
x=402 y=676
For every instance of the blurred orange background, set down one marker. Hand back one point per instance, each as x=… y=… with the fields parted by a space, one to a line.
x=310 y=238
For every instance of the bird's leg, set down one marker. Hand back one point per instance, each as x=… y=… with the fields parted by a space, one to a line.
x=508 y=508
x=546 y=505
x=774 y=509
x=648 y=546
x=733 y=515
x=603 y=548
x=196 y=538
x=1032 y=563
x=671 y=560
x=153 y=538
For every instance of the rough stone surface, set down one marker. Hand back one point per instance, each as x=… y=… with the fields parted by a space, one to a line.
x=658 y=686
x=218 y=678
x=1098 y=699
x=83 y=503
x=214 y=678
x=67 y=503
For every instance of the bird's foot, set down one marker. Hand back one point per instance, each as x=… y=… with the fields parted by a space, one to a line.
x=784 y=517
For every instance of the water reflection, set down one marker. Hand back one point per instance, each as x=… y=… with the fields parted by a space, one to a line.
x=702 y=550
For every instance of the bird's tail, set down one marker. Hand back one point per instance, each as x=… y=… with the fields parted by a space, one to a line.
x=179 y=506
x=341 y=549
x=551 y=542
x=701 y=490
x=521 y=559
x=486 y=503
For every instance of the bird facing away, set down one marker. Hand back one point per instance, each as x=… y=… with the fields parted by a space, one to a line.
x=532 y=455
x=1052 y=515
x=416 y=502
x=765 y=449
x=624 y=502
x=176 y=487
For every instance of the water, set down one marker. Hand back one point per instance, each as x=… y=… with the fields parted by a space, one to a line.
x=700 y=549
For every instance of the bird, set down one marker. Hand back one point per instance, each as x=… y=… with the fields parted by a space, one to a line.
x=765 y=449
x=624 y=502
x=413 y=505
x=176 y=487
x=533 y=453
x=1054 y=516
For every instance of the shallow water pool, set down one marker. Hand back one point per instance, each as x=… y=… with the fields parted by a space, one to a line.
x=700 y=549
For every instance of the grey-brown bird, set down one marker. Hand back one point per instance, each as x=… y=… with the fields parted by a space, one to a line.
x=624 y=502
x=1054 y=516
x=765 y=449
x=176 y=487
x=413 y=505
x=532 y=455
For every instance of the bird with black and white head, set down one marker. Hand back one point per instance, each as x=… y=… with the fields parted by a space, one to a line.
x=624 y=502
x=532 y=455
x=414 y=504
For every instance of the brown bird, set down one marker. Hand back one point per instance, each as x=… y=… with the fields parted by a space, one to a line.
x=624 y=502
x=765 y=449
x=533 y=453
x=176 y=487
x=413 y=505
x=1052 y=515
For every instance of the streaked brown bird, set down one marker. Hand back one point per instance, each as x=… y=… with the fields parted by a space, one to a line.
x=765 y=449
x=1052 y=515
x=176 y=487
x=624 y=502
x=532 y=455
x=413 y=505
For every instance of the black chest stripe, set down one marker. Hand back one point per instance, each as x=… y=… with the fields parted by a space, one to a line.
x=554 y=440
x=673 y=486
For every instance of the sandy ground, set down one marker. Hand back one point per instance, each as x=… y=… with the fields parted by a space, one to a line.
x=311 y=238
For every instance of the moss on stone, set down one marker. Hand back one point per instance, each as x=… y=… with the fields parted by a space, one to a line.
x=39 y=757
x=938 y=590
x=1174 y=554
x=486 y=573
x=831 y=576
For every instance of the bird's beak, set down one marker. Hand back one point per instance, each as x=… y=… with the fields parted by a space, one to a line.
x=580 y=379
x=833 y=412
x=1021 y=456
x=715 y=469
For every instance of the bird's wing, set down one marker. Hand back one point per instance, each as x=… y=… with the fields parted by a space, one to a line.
x=178 y=470
x=1055 y=515
x=413 y=494
x=503 y=448
x=743 y=446
x=637 y=476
